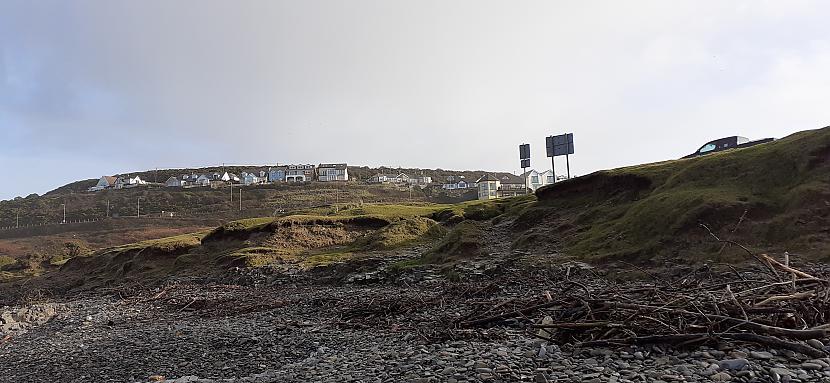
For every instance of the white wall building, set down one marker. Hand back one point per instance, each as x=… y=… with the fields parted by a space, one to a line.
x=332 y=172
x=103 y=183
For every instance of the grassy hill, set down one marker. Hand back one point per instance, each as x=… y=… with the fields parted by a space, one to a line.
x=302 y=241
x=770 y=197
x=356 y=173
x=195 y=202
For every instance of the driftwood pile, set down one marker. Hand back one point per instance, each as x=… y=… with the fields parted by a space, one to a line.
x=773 y=304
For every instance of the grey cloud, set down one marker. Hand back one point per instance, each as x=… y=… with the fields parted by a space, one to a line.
x=452 y=84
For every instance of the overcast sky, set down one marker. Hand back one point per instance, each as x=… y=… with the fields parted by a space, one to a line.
x=89 y=88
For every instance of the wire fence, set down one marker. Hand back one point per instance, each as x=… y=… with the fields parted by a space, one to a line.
x=89 y=219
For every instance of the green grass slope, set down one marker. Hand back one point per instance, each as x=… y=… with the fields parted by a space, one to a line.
x=771 y=197
x=301 y=241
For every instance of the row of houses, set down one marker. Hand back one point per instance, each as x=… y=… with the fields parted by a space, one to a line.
x=112 y=182
x=532 y=179
x=493 y=185
x=283 y=173
x=273 y=174
x=400 y=179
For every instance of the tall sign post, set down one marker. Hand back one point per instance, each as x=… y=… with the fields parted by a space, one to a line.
x=561 y=145
x=524 y=159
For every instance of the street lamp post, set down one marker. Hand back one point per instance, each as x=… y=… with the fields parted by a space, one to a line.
x=64 y=212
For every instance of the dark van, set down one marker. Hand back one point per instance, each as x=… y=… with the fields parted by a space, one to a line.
x=726 y=144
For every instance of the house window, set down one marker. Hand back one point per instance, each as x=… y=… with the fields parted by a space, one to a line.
x=550 y=179
x=534 y=179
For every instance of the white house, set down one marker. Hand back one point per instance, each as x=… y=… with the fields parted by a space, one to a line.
x=378 y=179
x=421 y=181
x=203 y=180
x=399 y=178
x=537 y=179
x=332 y=172
x=250 y=179
x=488 y=187
x=299 y=173
x=500 y=185
x=511 y=185
x=129 y=182
x=103 y=183
x=189 y=179
x=459 y=182
x=174 y=182
x=229 y=177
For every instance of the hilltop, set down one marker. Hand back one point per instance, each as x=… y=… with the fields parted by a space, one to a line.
x=356 y=173
x=197 y=202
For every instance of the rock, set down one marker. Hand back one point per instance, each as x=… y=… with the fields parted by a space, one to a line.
x=733 y=364
x=815 y=343
x=788 y=354
x=710 y=370
x=721 y=377
x=639 y=355
x=738 y=354
x=810 y=366
x=590 y=362
x=780 y=371
x=544 y=333
x=760 y=355
x=819 y=362
x=601 y=352
x=717 y=353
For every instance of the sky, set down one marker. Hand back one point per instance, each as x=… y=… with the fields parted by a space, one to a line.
x=95 y=87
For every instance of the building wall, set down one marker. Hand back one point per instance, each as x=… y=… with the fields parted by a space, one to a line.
x=488 y=190
x=331 y=174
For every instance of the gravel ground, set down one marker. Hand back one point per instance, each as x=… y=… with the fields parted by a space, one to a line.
x=272 y=331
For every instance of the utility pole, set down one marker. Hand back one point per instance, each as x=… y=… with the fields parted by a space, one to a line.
x=231 y=184
x=64 y=212
x=138 y=208
x=240 y=199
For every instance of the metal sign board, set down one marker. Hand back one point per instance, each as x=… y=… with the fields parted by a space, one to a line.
x=560 y=145
x=525 y=163
x=524 y=151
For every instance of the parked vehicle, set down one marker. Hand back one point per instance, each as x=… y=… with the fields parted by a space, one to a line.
x=726 y=144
